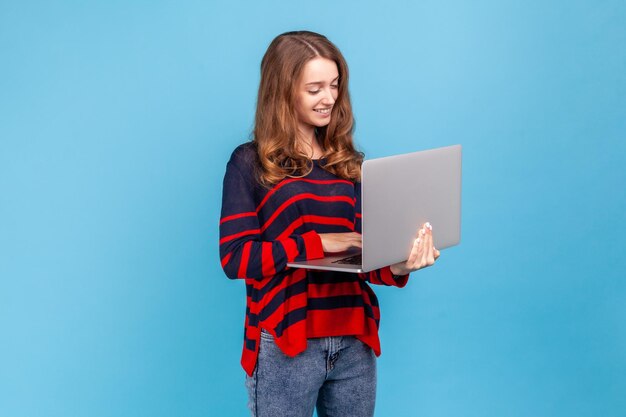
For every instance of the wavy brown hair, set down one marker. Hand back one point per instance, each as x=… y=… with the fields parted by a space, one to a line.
x=276 y=125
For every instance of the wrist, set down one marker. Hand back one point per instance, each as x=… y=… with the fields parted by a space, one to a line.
x=396 y=272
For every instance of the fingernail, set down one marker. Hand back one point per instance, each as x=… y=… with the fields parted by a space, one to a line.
x=417 y=241
x=429 y=226
x=422 y=231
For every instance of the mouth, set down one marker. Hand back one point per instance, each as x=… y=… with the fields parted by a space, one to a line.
x=323 y=111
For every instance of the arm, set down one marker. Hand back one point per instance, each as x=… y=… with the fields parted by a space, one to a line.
x=423 y=254
x=243 y=253
x=382 y=276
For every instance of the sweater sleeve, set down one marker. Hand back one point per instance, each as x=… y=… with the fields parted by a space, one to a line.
x=243 y=252
x=382 y=276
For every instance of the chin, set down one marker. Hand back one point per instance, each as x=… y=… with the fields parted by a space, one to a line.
x=322 y=123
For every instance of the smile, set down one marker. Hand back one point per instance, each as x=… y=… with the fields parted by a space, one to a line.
x=323 y=111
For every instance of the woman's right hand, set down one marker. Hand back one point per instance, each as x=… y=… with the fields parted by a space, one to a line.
x=423 y=253
x=339 y=242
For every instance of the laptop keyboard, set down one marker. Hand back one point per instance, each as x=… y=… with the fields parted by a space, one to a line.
x=350 y=260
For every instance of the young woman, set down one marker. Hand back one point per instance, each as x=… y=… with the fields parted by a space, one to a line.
x=293 y=193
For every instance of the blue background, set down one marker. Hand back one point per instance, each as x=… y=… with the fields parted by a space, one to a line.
x=117 y=119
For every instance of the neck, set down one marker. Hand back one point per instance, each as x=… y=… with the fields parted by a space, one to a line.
x=308 y=144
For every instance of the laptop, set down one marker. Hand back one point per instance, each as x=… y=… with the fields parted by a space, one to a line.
x=399 y=194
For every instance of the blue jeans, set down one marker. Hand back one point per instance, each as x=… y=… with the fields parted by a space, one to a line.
x=335 y=374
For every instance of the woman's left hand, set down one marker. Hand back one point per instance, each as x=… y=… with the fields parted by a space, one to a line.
x=423 y=253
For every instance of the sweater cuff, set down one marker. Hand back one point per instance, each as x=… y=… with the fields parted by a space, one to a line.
x=391 y=279
x=313 y=245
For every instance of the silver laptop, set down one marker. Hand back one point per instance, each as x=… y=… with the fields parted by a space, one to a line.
x=398 y=194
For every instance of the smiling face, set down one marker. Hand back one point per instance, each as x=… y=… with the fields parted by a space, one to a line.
x=316 y=92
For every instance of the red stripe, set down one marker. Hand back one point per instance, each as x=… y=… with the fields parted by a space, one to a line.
x=267 y=260
x=289 y=181
x=225 y=259
x=334 y=289
x=366 y=297
x=371 y=276
x=260 y=283
x=237 y=216
x=238 y=235
x=245 y=256
x=286 y=282
x=253 y=305
x=280 y=312
x=295 y=302
x=336 y=322
x=313 y=245
x=291 y=249
x=336 y=221
x=358 y=215
x=368 y=301
x=250 y=303
x=371 y=337
x=386 y=276
x=304 y=196
x=293 y=340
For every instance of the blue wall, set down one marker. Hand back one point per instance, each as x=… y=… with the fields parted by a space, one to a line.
x=117 y=119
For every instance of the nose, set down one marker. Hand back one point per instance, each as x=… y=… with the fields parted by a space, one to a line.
x=328 y=98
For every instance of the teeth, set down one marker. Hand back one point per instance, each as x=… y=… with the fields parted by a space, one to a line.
x=323 y=111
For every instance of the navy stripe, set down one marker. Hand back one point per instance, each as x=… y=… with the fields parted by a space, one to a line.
x=238 y=225
x=281 y=296
x=368 y=290
x=330 y=303
x=250 y=344
x=373 y=300
x=273 y=283
x=253 y=320
x=343 y=301
x=331 y=277
x=290 y=319
x=368 y=311
x=288 y=191
x=277 y=226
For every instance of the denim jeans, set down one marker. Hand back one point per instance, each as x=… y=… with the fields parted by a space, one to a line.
x=335 y=374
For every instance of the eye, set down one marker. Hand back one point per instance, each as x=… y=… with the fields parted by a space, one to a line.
x=314 y=92
x=334 y=86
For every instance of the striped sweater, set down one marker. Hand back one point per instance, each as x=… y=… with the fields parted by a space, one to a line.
x=262 y=229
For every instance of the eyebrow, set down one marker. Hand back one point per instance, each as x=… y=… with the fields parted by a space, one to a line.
x=321 y=82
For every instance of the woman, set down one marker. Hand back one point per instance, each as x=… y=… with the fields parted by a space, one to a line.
x=293 y=193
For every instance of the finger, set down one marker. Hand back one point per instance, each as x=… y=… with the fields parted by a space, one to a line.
x=349 y=240
x=430 y=256
x=422 y=233
x=418 y=262
x=437 y=253
x=427 y=255
x=357 y=238
x=414 y=255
